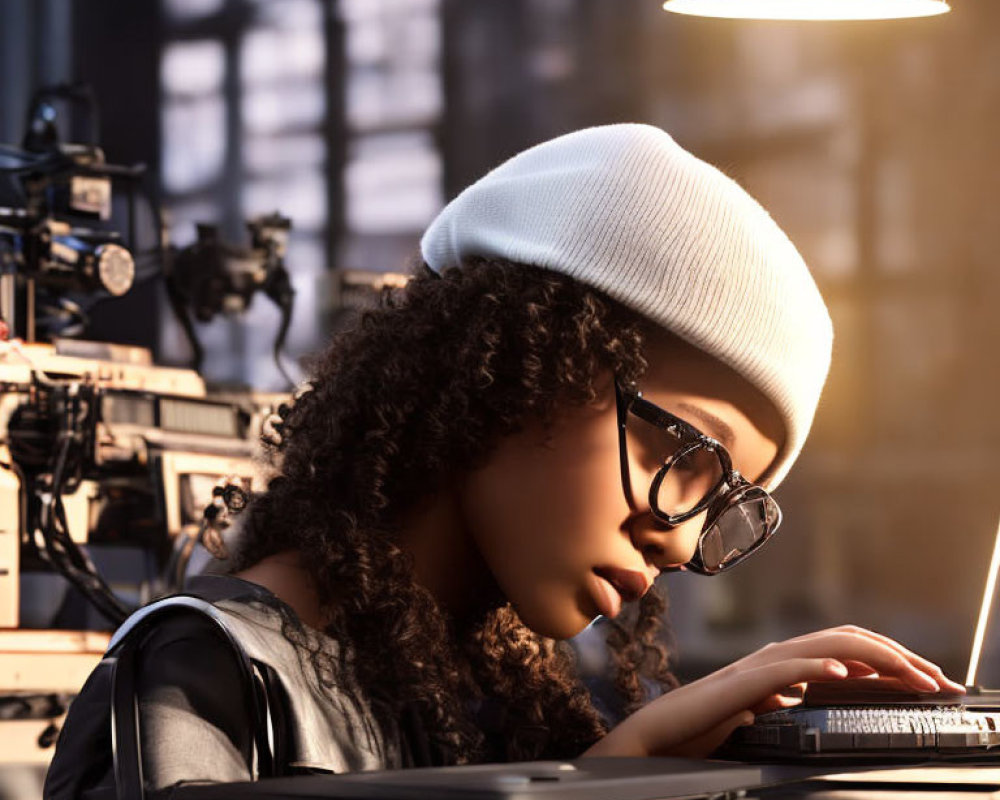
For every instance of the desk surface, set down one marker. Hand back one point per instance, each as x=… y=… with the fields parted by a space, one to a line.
x=626 y=779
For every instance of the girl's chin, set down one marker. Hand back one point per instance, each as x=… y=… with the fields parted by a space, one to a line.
x=556 y=626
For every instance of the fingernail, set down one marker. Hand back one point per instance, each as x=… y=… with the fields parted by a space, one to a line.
x=837 y=669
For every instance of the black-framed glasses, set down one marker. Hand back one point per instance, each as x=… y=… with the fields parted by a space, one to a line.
x=696 y=473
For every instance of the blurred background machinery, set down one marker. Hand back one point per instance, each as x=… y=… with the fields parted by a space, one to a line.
x=115 y=473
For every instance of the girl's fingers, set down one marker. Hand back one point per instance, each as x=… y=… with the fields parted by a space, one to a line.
x=852 y=646
x=921 y=664
x=858 y=669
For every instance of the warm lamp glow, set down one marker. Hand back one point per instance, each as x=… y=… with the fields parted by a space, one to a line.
x=808 y=9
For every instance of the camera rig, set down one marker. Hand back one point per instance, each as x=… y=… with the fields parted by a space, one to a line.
x=56 y=242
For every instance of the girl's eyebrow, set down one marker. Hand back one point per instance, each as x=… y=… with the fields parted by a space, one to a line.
x=717 y=428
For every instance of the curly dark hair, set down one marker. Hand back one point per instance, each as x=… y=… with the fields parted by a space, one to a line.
x=420 y=390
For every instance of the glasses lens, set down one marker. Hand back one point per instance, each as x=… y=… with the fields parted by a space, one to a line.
x=747 y=518
x=693 y=474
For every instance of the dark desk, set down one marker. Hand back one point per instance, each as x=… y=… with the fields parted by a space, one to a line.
x=627 y=779
x=924 y=783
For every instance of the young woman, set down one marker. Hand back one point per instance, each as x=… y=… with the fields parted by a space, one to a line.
x=609 y=357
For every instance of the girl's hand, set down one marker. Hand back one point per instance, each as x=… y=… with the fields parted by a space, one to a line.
x=695 y=719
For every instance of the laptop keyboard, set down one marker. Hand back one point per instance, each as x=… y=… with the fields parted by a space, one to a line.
x=833 y=730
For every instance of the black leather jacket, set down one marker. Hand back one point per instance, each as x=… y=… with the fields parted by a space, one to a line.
x=194 y=722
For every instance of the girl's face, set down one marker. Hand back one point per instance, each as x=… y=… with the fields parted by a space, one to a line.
x=548 y=514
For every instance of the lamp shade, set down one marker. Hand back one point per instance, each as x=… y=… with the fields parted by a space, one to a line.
x=808 y=9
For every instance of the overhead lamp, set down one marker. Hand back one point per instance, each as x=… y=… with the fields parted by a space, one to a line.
x=809 y=9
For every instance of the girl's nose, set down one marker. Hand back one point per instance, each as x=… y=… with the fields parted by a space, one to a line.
x=665 y=546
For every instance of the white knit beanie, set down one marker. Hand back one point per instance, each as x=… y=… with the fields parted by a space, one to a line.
x=626 y=210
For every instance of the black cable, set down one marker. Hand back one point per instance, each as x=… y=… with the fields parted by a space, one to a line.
x=56 y=557
x=91 y=576
x=54 y=515
x=279 y=288
x=63 y=553
x=286 y=317
x=83 y=574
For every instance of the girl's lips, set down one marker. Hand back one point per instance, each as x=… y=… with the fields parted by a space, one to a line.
x=609 y=602
x=629 y=584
